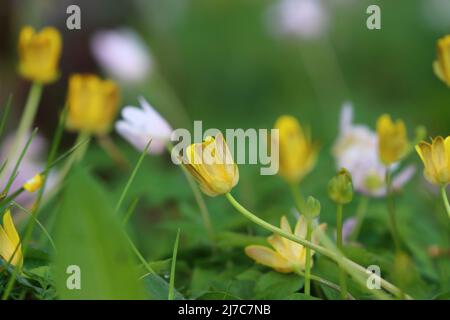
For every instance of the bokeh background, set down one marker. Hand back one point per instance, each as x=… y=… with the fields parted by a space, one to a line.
x=228 y=64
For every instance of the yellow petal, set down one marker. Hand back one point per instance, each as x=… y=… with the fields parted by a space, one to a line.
x=269 y=258
x=300 y=227
x=438 y=71
x=10 y=229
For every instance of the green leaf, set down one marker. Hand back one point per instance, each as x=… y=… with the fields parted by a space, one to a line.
x=158 y=288
x=301 y=296
x=89 y=236
x=274 y=285
x=218 y=295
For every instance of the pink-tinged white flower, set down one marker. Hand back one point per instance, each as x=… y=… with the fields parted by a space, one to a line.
x=356 y=149
x=304 y=18
x=122 y=54
x=139 y=125
x=32 y=164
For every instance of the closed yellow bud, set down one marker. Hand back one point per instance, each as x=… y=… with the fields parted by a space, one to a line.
x=392 y=139
x=10 y=247
x=39 y=54
x=298 y=154
x=436 y=160
x=212 y=166
x=340 y=187
x=92 y=102
x=441 y=66
x=34 y=183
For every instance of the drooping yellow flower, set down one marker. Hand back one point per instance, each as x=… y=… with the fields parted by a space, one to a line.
x=286 y=256
x=93 y=104
x=34 y=183
x=39 y=54
x=441 y=66
x=212 y=165
x=392 y=139
x=298 y=154
x=10 y=246
x=436 y=160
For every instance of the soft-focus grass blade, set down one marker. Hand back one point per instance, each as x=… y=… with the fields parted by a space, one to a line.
x=89 y=236
x=5 y=115
x=173 y=267
x=130 y=211
x=132 y=176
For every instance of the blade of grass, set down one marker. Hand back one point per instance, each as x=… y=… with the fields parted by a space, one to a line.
x=130 y=211
x=173 y=267
x=132 y=176
x=5 y=115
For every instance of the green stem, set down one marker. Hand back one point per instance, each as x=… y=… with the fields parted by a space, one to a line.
x=308 y=258
x=360 y=215
x=340 y=246
x=298 y=197
x=76 y=156
x=358 y=271
x=325 y=282
x=173 y=267
x=445 y=199
x=391 y=210
x=26 y=122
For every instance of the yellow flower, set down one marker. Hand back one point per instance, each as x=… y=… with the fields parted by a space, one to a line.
x=392 y=139
x=212 y=165
x=298 y=154
x=436 y=160
x=10 y=247
x=93 y=103
x=441 y=66
x=34 y=183
x=39 y=54
x=287 y=255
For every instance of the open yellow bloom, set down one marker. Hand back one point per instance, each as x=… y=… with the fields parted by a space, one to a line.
x=436 y=160
x=93 y=104
x=287 y=255
x=441 y=66
x=212 y=165
x=298 y=154
x=34 y=183
x=10 y=242
x=392 y=139
x=39 y=54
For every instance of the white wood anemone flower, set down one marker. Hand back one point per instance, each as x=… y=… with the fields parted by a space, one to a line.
x=140 y=124
x=356 y=149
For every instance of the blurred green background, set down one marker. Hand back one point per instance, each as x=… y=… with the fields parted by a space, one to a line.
x=225 y=66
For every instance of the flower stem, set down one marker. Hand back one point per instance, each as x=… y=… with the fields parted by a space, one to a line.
x=298 y=197
x=352 y=267
x=340 y=246
x=26 y=122
x=360 y=215
x=445 y=199
x=308 y=258
x=391 y=210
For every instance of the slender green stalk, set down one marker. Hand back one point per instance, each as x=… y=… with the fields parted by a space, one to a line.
x=298 y=197
x=308 y=258
x=139 y=255
x=361 y=211
x=173 y=266
x=5 y=115
x=357 y=271
x=340 y=245
x=325 y=282
x=26 y=122
x=132 y=176
x=445 y=199
x=130 y=211
x=391 y=210
x=76 y=156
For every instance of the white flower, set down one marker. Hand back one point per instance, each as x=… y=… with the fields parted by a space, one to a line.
x=139 y=125
x=122 y=54
x=356 y=149
x=304 y=18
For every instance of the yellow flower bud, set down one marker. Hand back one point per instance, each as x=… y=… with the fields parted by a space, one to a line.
x=436 y=160
x=392 y=139
x=298 y=153
x=340 y=187
x=34 y=183
x=39 y=54
x=311 y=208
x=10 y=247
x=212 y=166
x=441 y=66
x=286 y=256
x=93 y=104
